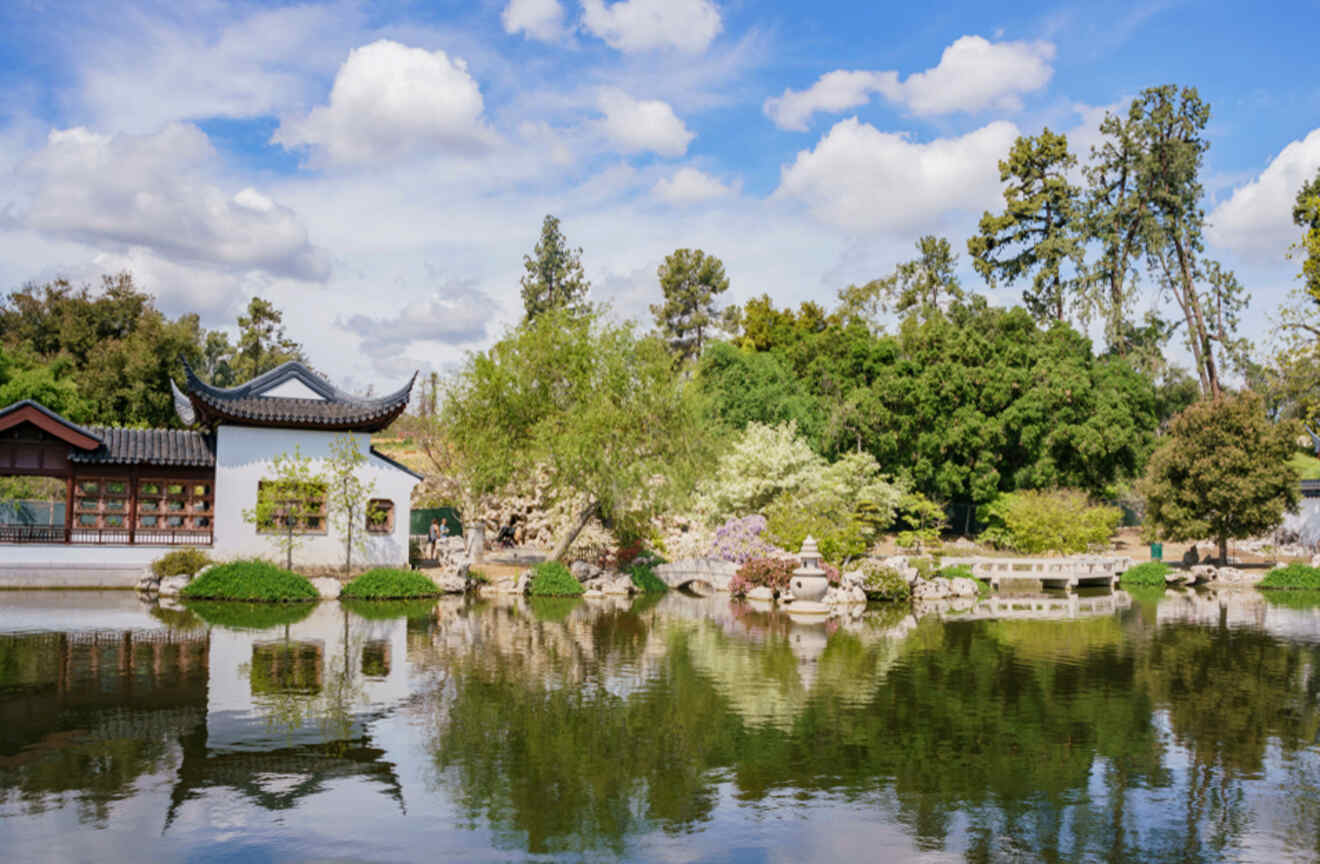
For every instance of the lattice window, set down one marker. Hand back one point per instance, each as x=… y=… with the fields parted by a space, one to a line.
x=100 y=503
x=380 y=516
x=308 y=507
x=175 y=505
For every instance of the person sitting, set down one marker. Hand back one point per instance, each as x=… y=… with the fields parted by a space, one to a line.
x=506 y=535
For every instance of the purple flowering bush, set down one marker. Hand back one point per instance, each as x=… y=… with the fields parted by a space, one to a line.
x=740 y=540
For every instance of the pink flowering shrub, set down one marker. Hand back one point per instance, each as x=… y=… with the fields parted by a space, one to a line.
x=772 y=573
x=832 y=575
x=740 y=540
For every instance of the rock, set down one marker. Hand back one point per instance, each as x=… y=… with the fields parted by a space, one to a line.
x=585 y=572
x=328 y=588
x=1315 y=560
x=963 y=587
x=932 y=589
x=760 y=593
x=524 y=582
x=856 y=595
x=618 y=584
x=1200 y=573
x=451 y=583
x=172 y=586
x=964 y=543
x=593 y=593
x=853 y=577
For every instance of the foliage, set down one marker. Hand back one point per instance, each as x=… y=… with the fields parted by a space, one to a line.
x=1221 y=472
x=1061 y=520
x=1151 y=574
x=262 y=345
x=689 y=279
x=1296 y=577
x=741 y=540
x=110 y=352
x=747 y=386
x=927 y=282
x=925 y=520
x=387 y=583
x=645 y=579
x=251 y=580
x=763 y=463
x=596 y=407
x=1040 y=228
x=882 y=582
x=1306 y=215
x=554 y=279
x=180 y=562
x=839 y=534
x=552 y=579
x=772 y=573
x=347 y=496
x=24 y=376
x=478 y=576
x=249 y=616
x=288 y=502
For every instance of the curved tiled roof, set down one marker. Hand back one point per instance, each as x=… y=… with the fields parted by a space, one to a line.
x=169 y=447
x=247 y=403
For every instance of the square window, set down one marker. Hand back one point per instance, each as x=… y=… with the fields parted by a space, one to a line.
x=148 y=521
x=380 y=515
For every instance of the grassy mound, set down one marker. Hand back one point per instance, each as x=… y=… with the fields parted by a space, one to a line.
x=1294 y=577
x=252 y=581
x=1149 y=575
x=552 y=579
x=962 y=571
x=385 y=583
x=646 y=580
x=249 y=616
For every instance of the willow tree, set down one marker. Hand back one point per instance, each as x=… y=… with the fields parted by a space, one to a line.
x=1040 y=230
x=592 y=404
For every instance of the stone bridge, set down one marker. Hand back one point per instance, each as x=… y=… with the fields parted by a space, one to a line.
x=708 y=574
x=1064 y=573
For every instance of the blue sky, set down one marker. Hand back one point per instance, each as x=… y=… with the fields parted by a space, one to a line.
x=378 y=169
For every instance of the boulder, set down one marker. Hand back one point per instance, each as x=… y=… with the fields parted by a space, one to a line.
x=853 y=578
x=326 y=587
x=1315 y=560
x=585 y=572
x=451 y=583
x=963 y=587
x=618 y=584
x=172 y=586
x=932 y=589
x=1200 y=573
x=593 y=593
x=760 y=593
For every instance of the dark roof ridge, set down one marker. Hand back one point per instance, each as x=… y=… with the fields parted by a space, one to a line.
x=290 y=370
x=53 y=415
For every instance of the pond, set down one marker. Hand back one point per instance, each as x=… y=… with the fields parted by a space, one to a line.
x=1174 y=727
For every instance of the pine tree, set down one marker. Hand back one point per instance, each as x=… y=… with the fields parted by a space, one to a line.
x=554 y=277
x=690 y=280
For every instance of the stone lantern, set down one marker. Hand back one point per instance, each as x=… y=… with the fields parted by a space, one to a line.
x=809 y=582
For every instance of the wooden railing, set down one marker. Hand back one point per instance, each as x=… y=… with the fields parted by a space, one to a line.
x=102 y=536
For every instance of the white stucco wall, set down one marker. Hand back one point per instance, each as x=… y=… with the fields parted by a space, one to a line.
x=243 y=458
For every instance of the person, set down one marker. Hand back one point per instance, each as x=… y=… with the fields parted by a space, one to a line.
x=444 y=528
x=432 y=538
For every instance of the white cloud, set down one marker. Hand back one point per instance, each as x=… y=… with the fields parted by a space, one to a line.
x=535 y=19
x=973 y=74
x=637 y=124
x=156 y=192
x=860 y=178
x=689 y=186
x=646 y=25
x=1256 y=221
x=390 y=100
x=457 y=317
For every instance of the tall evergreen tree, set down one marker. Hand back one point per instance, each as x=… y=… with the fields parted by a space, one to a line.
x=1040 y=228
x=554 y=278
x=262 y=344
x=690 y=280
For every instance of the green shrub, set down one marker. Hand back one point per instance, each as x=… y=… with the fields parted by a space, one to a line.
x=645 y=579
x=252 y=580
x=1151 y=574
x=180 y=562
x=881 y=582
x=1059 y=520
x=478 y=576
x=385 y=583
x=249 y=616
x=1295 y=577
x=552 y=579
x=839 y=534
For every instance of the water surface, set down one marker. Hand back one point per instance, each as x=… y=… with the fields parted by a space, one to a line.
x=1175 y=727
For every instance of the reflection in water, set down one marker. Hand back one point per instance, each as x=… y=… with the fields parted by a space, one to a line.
x=1178 y=726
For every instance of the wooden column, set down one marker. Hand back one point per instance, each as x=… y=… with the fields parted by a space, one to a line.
x=68 y=507
x=132 y=505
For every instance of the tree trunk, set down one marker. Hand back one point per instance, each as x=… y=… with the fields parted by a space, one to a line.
x=584 y=516
x=348 y=548
x=1223 y=551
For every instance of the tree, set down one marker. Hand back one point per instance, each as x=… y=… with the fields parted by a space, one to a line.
x=925 y=283
x=590 y=403
x=554 y=278
x=1306 y=215
x=347 y=496
x=1040 y=229
x=112 y=343
x=1221 y=472
x=289 y=502
x=23 y=377
x=262 y=344
x=690 y=280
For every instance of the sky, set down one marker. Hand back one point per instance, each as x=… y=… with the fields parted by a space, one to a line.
x=378 y=169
